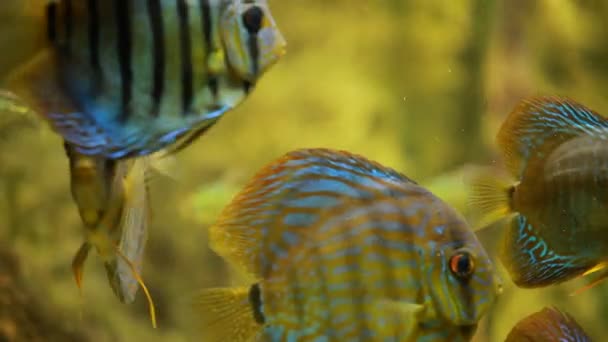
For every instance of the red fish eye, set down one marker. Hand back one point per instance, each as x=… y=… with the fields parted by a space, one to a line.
x=462 y=265
x=252 y=19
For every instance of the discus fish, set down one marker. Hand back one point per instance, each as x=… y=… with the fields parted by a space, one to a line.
x=284 y=198
x=557 y=209
x=125 y=78
x=374 y=269
x=113 y=202
x=548 y=325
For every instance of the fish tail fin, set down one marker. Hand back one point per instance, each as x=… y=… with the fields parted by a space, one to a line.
x=227 y=314
x=490 y=195
x=136 y=275
x=24 y=31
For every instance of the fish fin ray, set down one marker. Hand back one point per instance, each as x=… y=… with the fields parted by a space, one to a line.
x=391 y=317
x=15 y=114
x=78 y=264
x=603 y=274
x=227 y=315
x=490 y=195
x=539 y=124
x=134 y=222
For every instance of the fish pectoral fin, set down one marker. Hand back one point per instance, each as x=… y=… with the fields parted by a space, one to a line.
x=603 y=274
x=15 y=114
x=390 y=317
x=227 y=314
x=490 y=195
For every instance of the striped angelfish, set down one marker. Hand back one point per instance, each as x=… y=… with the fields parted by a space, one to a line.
x=341 y=249
x=123 y=78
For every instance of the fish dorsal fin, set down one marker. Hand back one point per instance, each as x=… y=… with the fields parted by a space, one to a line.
x=267 y=217
x=530 y=259
x=538 y=125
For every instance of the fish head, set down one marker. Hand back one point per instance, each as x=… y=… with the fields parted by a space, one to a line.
x=461 y=278
x=251 y=38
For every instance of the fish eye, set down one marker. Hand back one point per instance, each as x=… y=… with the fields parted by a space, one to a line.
x=462 y=264
x=252 y=19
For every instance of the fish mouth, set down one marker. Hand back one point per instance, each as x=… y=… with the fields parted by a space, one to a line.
x=467 y=331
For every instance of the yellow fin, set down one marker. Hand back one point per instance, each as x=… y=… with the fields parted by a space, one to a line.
x=134 y=233
x=15 y=114
x=600 y=278
x=537 y=125
x=227 y=315
x=490 y=195
x=78 y=264
x=391 y=317
x=143 y=286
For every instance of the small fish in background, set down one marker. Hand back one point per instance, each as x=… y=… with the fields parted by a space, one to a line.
x=548 y=325
x=374 y=269
x=385 y=235
x=112 y=197
x=283 y=199
x=127 y=78
x=556 y=198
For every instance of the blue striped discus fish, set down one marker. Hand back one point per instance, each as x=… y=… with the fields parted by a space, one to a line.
x=124 y=78
x=375 y=269
x=548 y=325
x=265 y=219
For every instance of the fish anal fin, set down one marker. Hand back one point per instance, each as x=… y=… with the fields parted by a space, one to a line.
x=603 y=274
x=537 y=125
x=531 y=261
x=226 y=314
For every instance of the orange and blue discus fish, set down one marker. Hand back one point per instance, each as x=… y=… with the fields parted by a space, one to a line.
x=125 y=78
x=319 y=228
x=283 y=199
x=548 y=325
x=557 y=203
x=374 y=269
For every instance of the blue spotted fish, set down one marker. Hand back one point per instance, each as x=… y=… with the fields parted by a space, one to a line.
x=125 y=78
x=375 y=258
x=548 y=325
x=557 y=210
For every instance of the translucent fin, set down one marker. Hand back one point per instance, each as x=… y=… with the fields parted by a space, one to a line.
x=134 y=222
x=531 y=261
x=293 y=189
x=490 y=195
x=549 y=324
x=600 y=278
x=137 y=277
x=227 y=315
x=394 y=318
x=15 y=115
x=537 y=125
x=78 y=264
